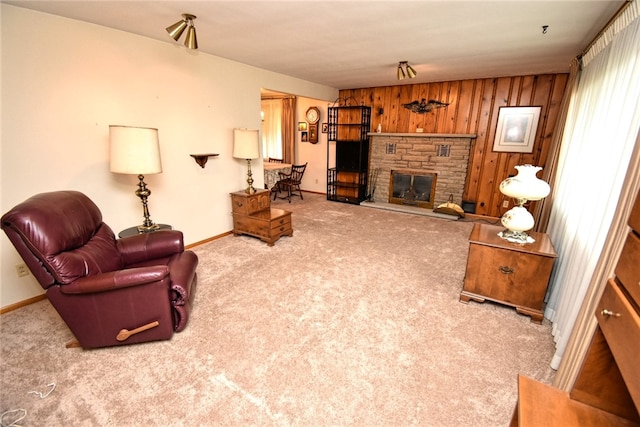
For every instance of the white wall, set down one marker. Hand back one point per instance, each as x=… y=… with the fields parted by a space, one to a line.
x=315 y=155
x=65 y=81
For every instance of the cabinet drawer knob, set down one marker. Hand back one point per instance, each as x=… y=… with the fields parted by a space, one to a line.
x=505 y=270
x=609 y=313
x=239 y=204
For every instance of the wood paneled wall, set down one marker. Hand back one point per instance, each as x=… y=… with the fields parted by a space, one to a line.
x=473 y=109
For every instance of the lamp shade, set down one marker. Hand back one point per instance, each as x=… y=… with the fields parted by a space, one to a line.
x=525 y=185
x=400 y=72
x=246 y=144
x=134 y=150
x=412 y=73
x=176 y=30
x=191 y=41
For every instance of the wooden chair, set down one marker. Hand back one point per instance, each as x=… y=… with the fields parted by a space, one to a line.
x=290 y=182
x=274 y=160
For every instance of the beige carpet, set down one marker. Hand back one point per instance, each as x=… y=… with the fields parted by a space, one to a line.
x=354 y=320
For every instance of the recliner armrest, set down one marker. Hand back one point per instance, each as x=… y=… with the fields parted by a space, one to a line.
x=116 y=280
x=143 y=247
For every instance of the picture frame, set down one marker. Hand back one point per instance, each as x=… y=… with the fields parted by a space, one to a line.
x=302 y=126
x=305 y=137
x=516 y=129
x=325 y=128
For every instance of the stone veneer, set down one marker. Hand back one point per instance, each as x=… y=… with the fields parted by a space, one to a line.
x=419 y=152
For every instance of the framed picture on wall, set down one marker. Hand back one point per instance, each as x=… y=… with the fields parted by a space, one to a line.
x=302 y=126
x=516 y=130
x=325 y=127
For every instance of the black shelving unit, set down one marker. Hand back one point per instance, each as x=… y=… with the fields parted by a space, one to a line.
x=348 y=144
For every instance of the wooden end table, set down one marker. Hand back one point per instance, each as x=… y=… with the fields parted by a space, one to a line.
x=254 y=216
x=132 y=231
x=509 y=273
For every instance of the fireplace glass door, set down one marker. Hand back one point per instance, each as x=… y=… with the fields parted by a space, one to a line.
x=412 y=188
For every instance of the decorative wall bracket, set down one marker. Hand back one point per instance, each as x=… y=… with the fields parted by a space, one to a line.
x=201 y=159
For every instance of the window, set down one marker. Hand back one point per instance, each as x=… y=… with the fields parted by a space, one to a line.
x=271 y=128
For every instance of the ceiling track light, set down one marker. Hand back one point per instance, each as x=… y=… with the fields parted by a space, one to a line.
x=401 y=74
x=410 y=71
x=176 y=30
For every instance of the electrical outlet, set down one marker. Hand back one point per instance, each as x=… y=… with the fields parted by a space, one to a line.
x=505 y=204
x=22 y=270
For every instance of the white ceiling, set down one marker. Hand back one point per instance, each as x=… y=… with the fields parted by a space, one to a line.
x=351 y=44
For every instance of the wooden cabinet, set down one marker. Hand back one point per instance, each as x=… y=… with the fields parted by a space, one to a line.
x=541 y=405
x=253 y=215
x=248 y=204
x=607 y=390
x=348 y=148
x=508 y=273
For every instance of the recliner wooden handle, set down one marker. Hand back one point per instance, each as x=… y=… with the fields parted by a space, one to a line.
x=125 y=333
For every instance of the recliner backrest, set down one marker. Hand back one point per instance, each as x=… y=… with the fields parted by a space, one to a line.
x=61 y=237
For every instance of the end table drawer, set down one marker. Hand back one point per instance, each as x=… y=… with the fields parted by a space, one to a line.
x=252 y=225
x=268 y=225
x=281 y=225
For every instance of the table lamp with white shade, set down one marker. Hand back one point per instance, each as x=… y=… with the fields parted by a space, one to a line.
x=136 y=151
x=246 y=145
x=523 y=187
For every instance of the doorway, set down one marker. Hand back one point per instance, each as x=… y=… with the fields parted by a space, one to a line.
x=278 y=132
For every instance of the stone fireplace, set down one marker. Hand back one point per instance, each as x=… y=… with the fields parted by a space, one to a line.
x=443 y=157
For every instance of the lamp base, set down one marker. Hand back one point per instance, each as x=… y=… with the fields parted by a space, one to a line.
x=250 y=189
x=143 y=192
x=516 y=236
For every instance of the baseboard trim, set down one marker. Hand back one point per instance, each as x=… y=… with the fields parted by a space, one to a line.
x=21 y=304
x=210 y=239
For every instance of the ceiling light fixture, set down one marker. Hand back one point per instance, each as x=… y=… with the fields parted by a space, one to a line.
x=176 y=30
x=410 y=71
x=401 y=74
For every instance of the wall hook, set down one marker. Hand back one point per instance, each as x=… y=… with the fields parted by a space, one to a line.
x=544 y=29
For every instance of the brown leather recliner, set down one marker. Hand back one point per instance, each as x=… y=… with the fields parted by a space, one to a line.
x=109 y=292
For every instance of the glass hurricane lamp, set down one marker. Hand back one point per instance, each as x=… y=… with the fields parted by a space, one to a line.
x=523 y=187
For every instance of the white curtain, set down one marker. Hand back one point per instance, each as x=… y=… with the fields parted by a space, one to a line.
x=272 y=128
x=598 y=142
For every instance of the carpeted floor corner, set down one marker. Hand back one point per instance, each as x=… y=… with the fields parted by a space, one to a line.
x=355 y=320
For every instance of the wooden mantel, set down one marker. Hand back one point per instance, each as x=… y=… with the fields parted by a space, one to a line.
x=426 y=135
